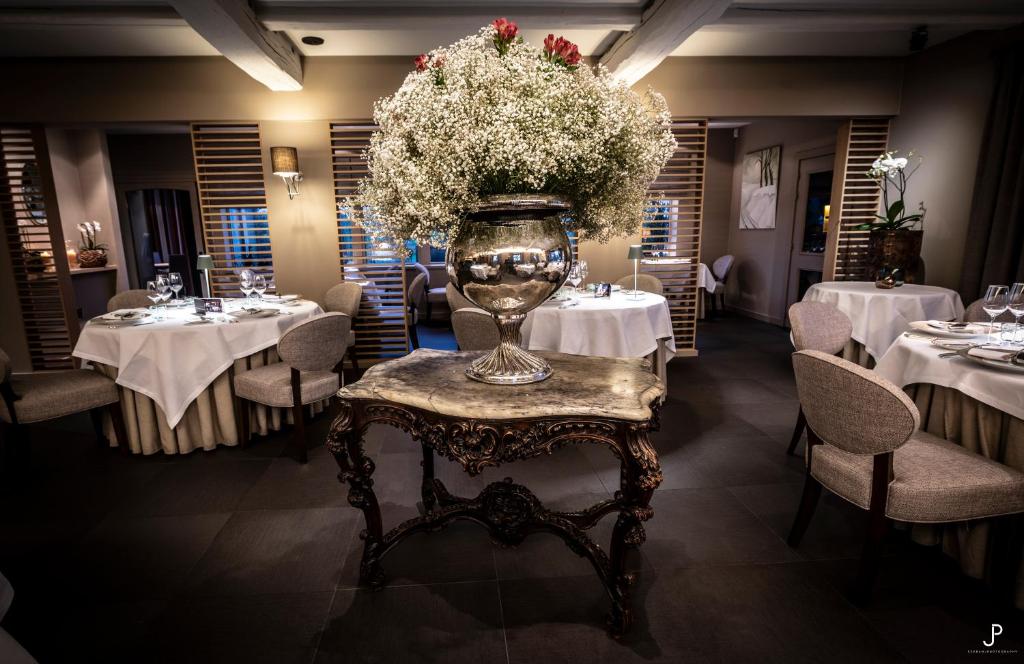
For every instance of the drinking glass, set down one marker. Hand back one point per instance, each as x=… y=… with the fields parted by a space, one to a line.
x=1015 y=303
x=155 y=296
x=584 y=271
x=575 y=277
x=245 y=282
x=994 y=304
x=174 y=279
x=259 y=286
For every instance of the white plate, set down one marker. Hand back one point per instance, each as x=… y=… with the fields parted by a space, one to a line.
x=927 y=327
x=114 y=319
x=953 y=344
x=262 y=313
x=995 y=364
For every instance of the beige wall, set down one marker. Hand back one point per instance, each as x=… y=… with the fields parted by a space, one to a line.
x=945 y=103
x=757 y=284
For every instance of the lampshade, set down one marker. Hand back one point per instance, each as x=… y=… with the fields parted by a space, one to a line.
x=204 y=262
x=284 y=161
x=634 y=252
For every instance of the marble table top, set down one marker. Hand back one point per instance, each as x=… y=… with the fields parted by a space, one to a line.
x=435 y=381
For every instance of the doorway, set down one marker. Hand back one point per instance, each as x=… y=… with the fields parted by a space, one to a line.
x=159 y=226
x=810 y=224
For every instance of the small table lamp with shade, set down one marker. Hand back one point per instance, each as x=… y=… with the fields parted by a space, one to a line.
x=204 y=263
x=635 y=254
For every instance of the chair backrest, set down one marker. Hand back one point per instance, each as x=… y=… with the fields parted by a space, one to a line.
x=417 y=291
x=456 y=300
x=316 y=344
x=344 y=298
x=5 y=366
x=851 y=407
x=645 y=282
x=474 y=329
x=976 y=314
x=413 y=269
x=819 y=326
x=129 y=299
x=720 y=268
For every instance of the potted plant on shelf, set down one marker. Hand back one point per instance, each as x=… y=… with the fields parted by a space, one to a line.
x=90 y=252
x=894 y=244
x=494 y=149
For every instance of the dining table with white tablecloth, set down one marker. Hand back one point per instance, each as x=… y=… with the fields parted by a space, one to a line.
x=968 y=403
x=175 y=373
x=619 y=325
x=881 y=315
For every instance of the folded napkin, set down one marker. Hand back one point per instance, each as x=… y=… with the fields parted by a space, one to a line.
x=997 y=354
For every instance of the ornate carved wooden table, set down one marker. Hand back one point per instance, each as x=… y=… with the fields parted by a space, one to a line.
x=586 y=400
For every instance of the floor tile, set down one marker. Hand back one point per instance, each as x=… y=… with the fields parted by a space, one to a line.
x=196 y=486
x=452 y=622
x=275 y=551
x=287 y=484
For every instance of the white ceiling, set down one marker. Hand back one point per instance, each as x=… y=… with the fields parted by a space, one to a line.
x=139 y=28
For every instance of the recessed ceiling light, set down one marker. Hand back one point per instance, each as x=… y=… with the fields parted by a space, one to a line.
x=312 y=40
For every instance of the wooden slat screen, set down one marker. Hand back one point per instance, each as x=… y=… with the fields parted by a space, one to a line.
x=859 y=144
x=233 y=202
x=35 y=243
x=671 y=228
x=380 y=327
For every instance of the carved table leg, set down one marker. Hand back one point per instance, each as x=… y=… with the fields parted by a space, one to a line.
x=640 y=475
x=427 y=487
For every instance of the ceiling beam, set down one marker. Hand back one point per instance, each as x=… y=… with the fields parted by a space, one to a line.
x=469 y=17
x=232 y=28
x=665 y=25
x=858 y=20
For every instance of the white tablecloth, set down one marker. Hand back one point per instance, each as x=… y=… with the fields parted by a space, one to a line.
x=880 y=315
x=911 y=360
x=172 y=362
x=705 y=278
x=613 y=326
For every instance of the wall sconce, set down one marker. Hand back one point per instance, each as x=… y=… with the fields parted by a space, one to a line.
x=824 y=218
x=285 y=164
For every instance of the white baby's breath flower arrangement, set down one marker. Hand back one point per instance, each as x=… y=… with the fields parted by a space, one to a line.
x=490 y=115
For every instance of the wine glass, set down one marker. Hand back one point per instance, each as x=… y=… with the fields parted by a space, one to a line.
x=994 y=304
x=1015 y=303
x=245 y=282
x=174 y=279
x=575 y=277
x=259 y=286
x=584 y=271
x=153 y=292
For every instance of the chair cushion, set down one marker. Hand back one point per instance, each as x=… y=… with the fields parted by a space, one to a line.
x=934 y=481
x=435 y=295
x=47 y=395
x=271 y=385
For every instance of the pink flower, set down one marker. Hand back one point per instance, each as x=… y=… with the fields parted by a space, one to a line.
x=421 y=62
x=561 y=50
x=438 y=62
x=507 y=30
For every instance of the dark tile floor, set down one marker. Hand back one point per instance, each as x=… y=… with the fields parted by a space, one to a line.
x=246 y=556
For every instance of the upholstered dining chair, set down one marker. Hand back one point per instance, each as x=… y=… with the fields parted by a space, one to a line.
x=864 y=445
x=436 y=295
x=415 y=295
x=720 y=269
x=129 y=299
x=645 y=282
x=974 y=313
x=309 y=371
x=345 y=298
x=456 y=300
x=816 y=326
x=48 y=395
x=474 y=329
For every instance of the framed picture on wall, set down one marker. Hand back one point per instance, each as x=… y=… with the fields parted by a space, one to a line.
x=759 y=190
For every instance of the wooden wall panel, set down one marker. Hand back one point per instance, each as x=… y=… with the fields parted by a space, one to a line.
x=859 y=143
x=35 y=242
x=380 y=327
x=671 y=229
x=232 y=201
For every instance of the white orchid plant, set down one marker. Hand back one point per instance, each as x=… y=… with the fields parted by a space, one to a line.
x=892 y=172
x=490 y=115
x=87 y=232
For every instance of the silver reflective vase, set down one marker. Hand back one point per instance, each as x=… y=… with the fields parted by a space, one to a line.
x=510 y=256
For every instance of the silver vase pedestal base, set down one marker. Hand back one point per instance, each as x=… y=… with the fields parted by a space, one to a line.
x=508 y=363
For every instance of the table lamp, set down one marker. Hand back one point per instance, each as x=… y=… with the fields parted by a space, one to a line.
x=635 y=254
x=204 y=263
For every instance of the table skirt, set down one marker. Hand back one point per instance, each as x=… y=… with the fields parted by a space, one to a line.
x=209 y=421
x=856 y=352
x=984 y=430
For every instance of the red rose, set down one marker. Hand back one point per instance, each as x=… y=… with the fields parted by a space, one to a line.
x=421 y=62
x=571 y=55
